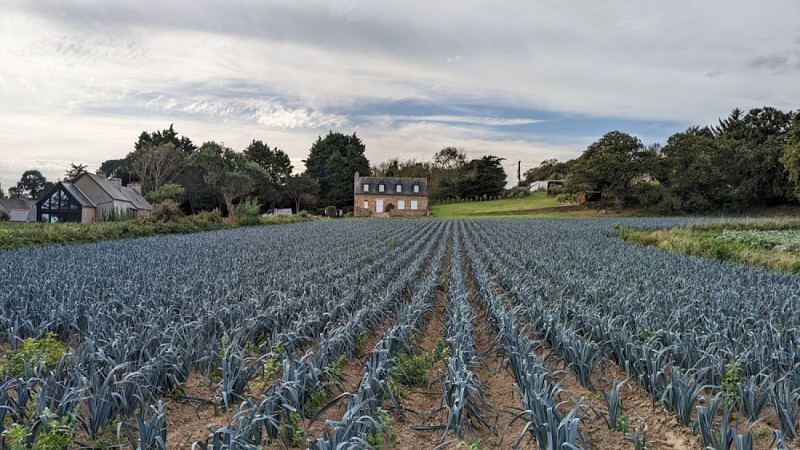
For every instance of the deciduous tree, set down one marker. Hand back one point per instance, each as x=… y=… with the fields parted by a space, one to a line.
x=31 y=184
x=549 y=169
x=232 y=174
x=447 y=173
x=610 y=165
x=157 y=165
x=791 y=155
x=302 y=189
x=270 y=188
x=169 y=191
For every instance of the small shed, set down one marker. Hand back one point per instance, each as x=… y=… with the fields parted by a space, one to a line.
x=547 y=185
x=18 y=209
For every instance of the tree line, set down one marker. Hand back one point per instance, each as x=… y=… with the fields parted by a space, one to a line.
x=170 y=168
x=744 y=161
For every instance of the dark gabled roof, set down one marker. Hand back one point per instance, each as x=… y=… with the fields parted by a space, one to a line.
x=390 y=183
x=120 y=193
x=77 y=193
x=16 y=203
x=73 y=190
x=136 y=198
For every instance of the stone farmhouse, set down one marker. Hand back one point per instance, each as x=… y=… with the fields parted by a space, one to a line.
x=91 y=198
x=390 y=196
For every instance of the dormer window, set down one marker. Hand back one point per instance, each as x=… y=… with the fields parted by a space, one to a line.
x=398 y=188
x=381 y=187
x=366 y=187
x=416 y=189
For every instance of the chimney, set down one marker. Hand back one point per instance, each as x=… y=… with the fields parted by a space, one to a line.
x=117 y=181
x=357 y=176
x=136 y=187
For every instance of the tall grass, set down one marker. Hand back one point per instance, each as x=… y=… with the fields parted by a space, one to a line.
x=19 y=235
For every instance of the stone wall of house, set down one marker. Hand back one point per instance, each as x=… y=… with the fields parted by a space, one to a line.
x=388 y=198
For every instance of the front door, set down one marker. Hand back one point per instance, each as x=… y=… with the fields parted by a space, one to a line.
x=379 y=205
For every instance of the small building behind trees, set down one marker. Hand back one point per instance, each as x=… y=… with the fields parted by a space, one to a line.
x=18 y=209
x=550 y=186
x=91 y=198
x=390 y=196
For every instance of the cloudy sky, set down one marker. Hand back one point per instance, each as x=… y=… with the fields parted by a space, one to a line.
x=527 y=81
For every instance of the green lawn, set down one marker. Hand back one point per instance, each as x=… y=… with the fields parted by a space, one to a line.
x=517 y=207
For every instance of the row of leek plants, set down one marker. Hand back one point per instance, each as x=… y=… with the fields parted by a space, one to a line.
x=118 y=371
x=279 y=413
x=541 y=394
x=358 y=423
x=463 y=393
x=652 y=363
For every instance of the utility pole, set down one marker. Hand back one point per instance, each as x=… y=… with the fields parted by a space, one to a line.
x=519 y=173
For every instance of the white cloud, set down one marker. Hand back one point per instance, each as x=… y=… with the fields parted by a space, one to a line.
x=81 y=79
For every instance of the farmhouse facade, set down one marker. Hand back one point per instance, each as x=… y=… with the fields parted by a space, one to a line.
x=390 y=196
x=91 y=198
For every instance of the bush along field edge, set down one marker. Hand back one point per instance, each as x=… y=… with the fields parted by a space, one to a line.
x=773 y=245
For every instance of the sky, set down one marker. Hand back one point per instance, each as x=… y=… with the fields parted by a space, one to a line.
x=522 y=80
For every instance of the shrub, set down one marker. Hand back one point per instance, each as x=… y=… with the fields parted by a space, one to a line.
x=54 y=434
x=249 y=212
x=169 y=191
x=567 y=198
x=208 y=219
x=4 y=217
x=166 y=211
x=42 y=354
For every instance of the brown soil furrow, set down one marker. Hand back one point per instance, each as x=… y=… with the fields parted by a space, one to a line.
x=422 y=406
x=352 y=374
x=419 y=403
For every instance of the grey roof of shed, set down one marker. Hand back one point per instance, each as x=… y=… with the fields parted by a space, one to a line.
x=120 y=193
x=16 y=203
x=19 y=215
x=390 y=183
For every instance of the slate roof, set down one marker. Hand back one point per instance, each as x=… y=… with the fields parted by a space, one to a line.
x=390 y=183
x=120 y=193
x=19 y=215
x=77 y=193
x=16 y=203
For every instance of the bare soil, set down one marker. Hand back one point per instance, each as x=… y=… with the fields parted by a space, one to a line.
x=352 y=373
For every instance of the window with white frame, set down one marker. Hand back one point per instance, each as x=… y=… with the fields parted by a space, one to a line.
x=381 y=187
x=401 y=204
x=414 y=204
x=366 y=187
x=416 y=189
x=366 y=204
x=398 y=188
